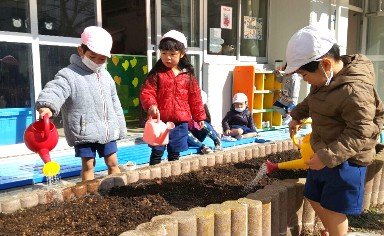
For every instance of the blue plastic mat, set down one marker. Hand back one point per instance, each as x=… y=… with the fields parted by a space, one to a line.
x=21 y=171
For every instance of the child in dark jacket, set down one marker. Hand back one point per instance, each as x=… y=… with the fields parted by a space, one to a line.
x=196 y=135
x=238 y=122
x=171 y=89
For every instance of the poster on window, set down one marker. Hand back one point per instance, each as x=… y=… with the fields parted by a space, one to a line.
x=259 y=28
x=249 y=27
x=226 y=17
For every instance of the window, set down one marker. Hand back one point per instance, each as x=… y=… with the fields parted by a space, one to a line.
x=222 y=27
x=254 y=28
x=223 y=24
x=184 y=16
x=53 y=59
x=14 y=16
x=375 y=39
x=65 y=18
x=356 y=3
x=15 y=75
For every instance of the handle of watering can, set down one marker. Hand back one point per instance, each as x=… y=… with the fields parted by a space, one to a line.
x=293 y=137
x=158 y=116
x=47 y=126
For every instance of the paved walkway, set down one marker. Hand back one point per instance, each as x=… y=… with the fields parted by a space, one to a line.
x=26 y=170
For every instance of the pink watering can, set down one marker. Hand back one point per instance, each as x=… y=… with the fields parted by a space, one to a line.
x=156 y=132
x=41 y=137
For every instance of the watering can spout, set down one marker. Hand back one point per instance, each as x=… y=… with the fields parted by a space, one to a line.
x=271 y=166
x=306 y=153
x=164 y=135
x=44 y=155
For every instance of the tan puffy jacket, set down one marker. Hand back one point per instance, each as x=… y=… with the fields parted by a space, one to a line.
x=347 y=115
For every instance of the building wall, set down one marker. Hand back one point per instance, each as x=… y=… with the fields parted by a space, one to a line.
x=285 y=18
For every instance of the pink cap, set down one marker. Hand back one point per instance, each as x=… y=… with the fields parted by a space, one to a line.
x=98 y=40
x=176 y=35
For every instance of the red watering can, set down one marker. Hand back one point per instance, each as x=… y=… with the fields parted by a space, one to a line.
x=41 y=137
x=156 y=132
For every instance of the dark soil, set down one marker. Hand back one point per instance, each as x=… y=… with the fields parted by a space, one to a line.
x=126 y=207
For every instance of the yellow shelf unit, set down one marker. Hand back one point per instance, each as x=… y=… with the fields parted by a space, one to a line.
x=262 y=89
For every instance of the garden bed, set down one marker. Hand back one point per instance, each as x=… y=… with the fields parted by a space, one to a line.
x=124 y=208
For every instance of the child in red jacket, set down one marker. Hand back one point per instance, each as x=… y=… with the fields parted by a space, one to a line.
x=171 y=89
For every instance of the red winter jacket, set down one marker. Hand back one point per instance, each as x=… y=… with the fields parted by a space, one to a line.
x=178 y=98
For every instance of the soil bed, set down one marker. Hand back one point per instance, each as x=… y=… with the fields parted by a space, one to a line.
x=126 y=207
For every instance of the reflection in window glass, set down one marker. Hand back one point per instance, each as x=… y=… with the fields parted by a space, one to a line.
x=195 y=61
x=182 y=15
x=121 y=18
x=379 y=73
x=15 y=75
x=65 y=18
x=14 y=16
x=53 y=59
x=254 y=28
x=375 y=39
x=222 y=27
x=356 y=3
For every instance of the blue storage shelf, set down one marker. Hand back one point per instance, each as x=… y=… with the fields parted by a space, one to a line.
x=13 y=122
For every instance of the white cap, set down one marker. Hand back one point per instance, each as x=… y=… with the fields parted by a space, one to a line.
x=176 y=35
x=306 y=45
x=97 y=40
x=239 y=97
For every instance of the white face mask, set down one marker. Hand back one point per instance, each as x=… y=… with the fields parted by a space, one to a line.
x=92 y=65
x=239 y=109
x=328 y=78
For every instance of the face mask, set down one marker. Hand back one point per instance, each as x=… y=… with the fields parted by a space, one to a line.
x=92 y=65
x=328 y=78
x=239 y=109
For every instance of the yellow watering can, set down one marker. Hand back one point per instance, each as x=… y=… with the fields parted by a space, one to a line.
x=305 y=151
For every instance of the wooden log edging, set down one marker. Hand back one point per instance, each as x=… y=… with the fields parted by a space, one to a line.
x=254 y=214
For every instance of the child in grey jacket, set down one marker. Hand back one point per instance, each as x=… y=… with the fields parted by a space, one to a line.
x=289 y=94
x=86 y=94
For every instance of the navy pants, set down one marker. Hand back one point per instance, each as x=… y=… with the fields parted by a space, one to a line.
x=177 y=143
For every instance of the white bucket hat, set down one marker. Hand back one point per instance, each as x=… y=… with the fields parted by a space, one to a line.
x=97 y=40
x=176 y=35
x=306 y=45
x=239 y=97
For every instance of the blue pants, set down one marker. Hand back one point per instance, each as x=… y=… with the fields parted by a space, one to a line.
x=196 y=137
x=89 y=150
x=177 y=143
x=339 y=189
x=245 y=129
x=283 y=109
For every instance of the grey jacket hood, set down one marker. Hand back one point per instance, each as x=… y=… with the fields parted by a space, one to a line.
x=88 y=101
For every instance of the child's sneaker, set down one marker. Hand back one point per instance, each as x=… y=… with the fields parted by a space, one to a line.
x=206 y=150
x=287 y=119
x=217 y=145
